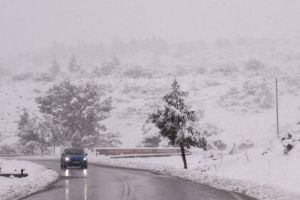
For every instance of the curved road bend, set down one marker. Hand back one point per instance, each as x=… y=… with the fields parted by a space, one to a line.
x=104 y=183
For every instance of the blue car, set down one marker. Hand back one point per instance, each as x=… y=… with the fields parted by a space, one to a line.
x=73 y=157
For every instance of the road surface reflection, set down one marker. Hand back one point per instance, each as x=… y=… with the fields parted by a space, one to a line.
x=67 y=190
x=71 y=191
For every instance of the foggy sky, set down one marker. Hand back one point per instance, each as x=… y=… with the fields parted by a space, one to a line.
x=27 y=25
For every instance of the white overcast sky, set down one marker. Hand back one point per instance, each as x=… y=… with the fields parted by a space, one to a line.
x=34 y=24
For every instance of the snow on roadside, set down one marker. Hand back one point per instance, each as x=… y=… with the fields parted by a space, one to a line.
x=15 y=188
x=273 y=177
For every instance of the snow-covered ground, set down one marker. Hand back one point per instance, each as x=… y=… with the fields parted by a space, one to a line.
x=262 y=172
x=15 y=188
x=270 y=176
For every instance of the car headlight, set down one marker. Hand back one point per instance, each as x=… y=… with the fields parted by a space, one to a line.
x=84 y=158
x=67 y=159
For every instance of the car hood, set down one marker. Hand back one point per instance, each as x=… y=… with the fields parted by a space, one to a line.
x=75 y=156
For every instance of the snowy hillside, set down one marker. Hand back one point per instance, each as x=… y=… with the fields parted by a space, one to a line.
x=231 y=84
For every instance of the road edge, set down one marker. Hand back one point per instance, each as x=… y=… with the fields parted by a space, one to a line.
x=31 y=184
x=233 y=193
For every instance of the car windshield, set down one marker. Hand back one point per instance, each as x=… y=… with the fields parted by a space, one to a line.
x=74 y=151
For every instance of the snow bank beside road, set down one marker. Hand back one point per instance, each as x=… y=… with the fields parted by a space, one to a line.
x=15 y=188
x=270 y=177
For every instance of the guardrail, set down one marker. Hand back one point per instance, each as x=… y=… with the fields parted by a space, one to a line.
x=138 y=152
x=147 y=155
x=10 y=155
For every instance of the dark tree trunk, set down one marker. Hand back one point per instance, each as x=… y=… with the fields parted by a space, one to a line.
x=183 y=156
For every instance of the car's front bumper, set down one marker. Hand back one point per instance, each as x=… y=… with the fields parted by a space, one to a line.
x=75 y=163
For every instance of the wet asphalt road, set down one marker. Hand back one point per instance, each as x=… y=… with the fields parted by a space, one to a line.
x=104 y=183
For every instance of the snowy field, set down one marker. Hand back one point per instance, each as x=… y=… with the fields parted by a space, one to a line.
x=15 y=188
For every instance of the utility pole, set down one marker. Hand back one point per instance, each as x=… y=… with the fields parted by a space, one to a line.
x=277 y=118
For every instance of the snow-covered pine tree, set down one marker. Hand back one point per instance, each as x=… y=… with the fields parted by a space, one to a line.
x=79 y=110
x=73 y=65
x=54 y=68
x=178 y=123
x=110 y=139
x=33 y=134
x=56 y=130
x=24 y=119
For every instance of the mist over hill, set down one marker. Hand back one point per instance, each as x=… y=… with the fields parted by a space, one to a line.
x=231 y=82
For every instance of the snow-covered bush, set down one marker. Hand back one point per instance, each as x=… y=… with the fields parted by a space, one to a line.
x=151 y=136
x=252 y=97
x=201 y=70
x=110 y=139
x=23 y=76
x=288 y=143
x=245 y=145
x=44 y=77
x=212 y=83
x=128 y=89
x=137 y=72
x=36 y=91
x=151 y=141
x=254 y=65
x=212 y=129
x=292 y=85
x=7 y=149
x=106 y=70
x=227 y=70
x=219 y=144
x=181 y=70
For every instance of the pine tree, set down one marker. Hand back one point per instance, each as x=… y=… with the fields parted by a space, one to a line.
x=33 y=134
x=73 y=65
x=24 y=119
x=54 y=68
x=178 y=123
x=56 y=130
